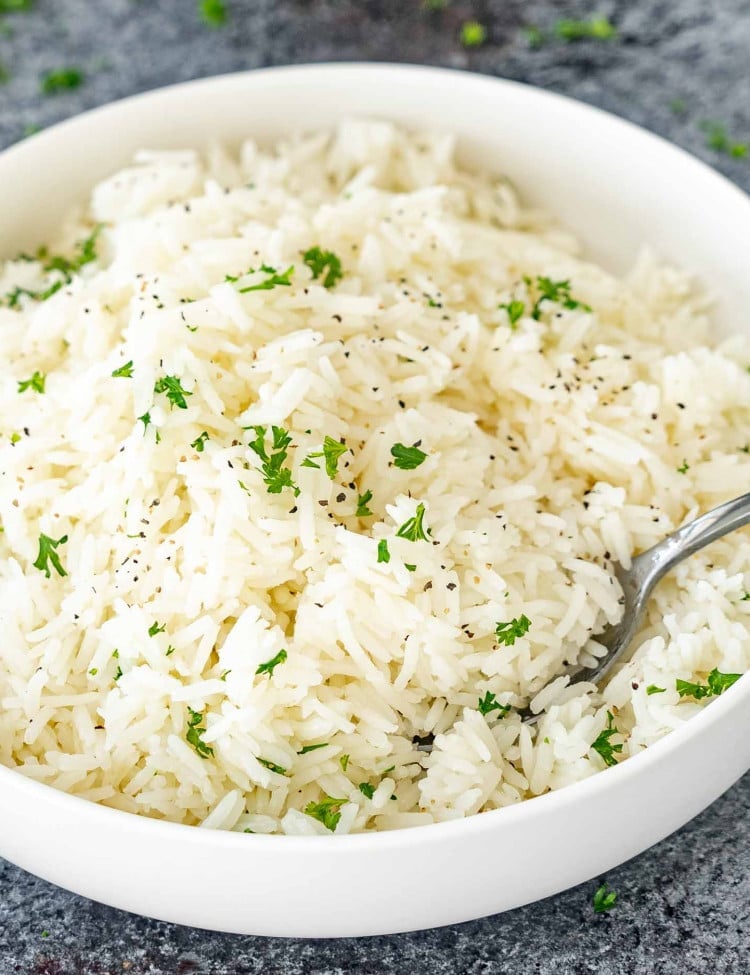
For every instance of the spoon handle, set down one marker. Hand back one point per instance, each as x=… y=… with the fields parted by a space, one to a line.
x=654 y=563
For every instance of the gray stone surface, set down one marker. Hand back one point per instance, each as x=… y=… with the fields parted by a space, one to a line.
x=683 y=906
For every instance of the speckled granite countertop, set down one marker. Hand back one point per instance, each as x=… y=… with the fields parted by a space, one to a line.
x=684 y=906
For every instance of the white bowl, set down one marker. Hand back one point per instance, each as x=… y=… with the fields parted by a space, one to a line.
x=617 y=187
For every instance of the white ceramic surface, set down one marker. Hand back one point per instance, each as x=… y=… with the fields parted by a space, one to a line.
x=618 y=187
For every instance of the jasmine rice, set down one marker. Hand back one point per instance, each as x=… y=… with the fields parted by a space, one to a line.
x=313 y=455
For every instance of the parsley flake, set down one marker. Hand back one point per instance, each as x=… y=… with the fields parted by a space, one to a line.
x=683 y=468
x=156 y=628
x=602 y=745
x=367 y=790
x=597 y=28
x=200 y=442
x=332 y=450
x=473 y=34
x=195 y=732
x=383 y=554
x=48 y=555
x=319 y=261
x=508 y=633
x=604 y=899
x=407 y=458
x=515 y=310
x=61 y=79
x=312 y=748
x=213 y=12
x=362 y=501
x=276 y=476
x=270 y=665
x=272 y=767
x=487 y=704
x=343 y=762
x=37 y=383
x=327 y=812
x=718 y=140
x=124 y=372
x=413 y=528
x=716 y=684
x=176 y=394
x=555 y=291
x=273 y=278
x=655 y=689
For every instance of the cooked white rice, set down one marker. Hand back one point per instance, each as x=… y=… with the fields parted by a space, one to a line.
x=554 y=445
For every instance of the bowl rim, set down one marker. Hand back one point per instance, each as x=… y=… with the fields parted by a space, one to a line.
x=12 y=780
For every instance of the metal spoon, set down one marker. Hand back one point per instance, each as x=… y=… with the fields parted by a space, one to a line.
x=638 y=582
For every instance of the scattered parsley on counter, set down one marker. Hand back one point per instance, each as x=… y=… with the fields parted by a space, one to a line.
x=48 y=555
x=195 y=732
x=515 y=310
x=655 y=689
x=276 y=476
x=473 y=34
x=272 y=767
x=156 y=628
x=327 y=812
x=383 y=554
x=602 y=745
x=716 y=684
x=718 y=139
x=272 y=280
x=15 y=6
x=413 y=528
x=596 y=28
x=487 y=704
x=270 y=665
x=508 y=633
x=213 y=12
x=407 y=458
x=362 y=501
x=534 y=35
x=678 y=106
x=200 y=442
x=434 y=5
x=367 y=790
x=124 y=372
x=62 y=79
x=332 y=450
x=172 y=386
x=37 y=383
x=312 y=748
x=319 y=261
x=604 y=899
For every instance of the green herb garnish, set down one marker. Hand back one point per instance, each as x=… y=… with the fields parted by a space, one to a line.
x=319 y=261
x=15 y=6
x=195 y=732
x=156 y=628
x=515 y=310
x=683 y=468
x=362 y=501
x=200 y=442
x=272 y=767
x=407 y=458
x=508 y=633
x=327 y=812
x=37 y=383
x=487 y=704
x=413 y=529
x=383 y=554
x=213 y=12
x=332 y=450
x=48 y=555
x=602 y=745
x=597 y=28
x=124 y=372
x=174 y=389
x=270 y=665
x=604 y=900
x=367 y=790
x=273 y=278
x=410 y=567
x=655 y=689
x=718 y=140
x=556 y=291
x=716 y=684
x=343 y=762
x=473 y=34
x=312 y=748
x=276 y=476
x=62 y=79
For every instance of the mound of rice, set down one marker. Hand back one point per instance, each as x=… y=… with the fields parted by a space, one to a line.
x=225 y=600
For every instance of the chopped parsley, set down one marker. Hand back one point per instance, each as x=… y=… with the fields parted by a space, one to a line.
x=407 y=458
x=508 y=633
x=15 y=6
x=276 y=476
x=367 y=790
x=213 y=12
x=146 y=421
x=487 y=704
x=195 y=732
x=200 y=442
x=604 y=899
x=37 y=383
x=473 y=34
x=597 y=28
x=343 y=762
x=383 y=554
x=413 y=528
x=655 y=689
x=273 y=278
x=556 y=291
x=270 y=665
x=124 y=372
x=118 y=672
x=319 y=261
x=272 y=767
x=312 y=748
x=718 y=140
x=683 y=468
x=156 y=628
x=515 y=310
x=716 y=684
x=48 y=555
x=327 y=812
x=362 y=501
x=410 y=567
x=603 y=747
x=61 y=79
x=534 y=35
x=332 y=450
x=174 y=389
x=170 y=650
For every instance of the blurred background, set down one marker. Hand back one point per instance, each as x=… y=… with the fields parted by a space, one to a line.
x=677 y=67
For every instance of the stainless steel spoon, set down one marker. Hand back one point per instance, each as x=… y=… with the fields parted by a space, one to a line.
x=638 y=582
x=646 y=570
